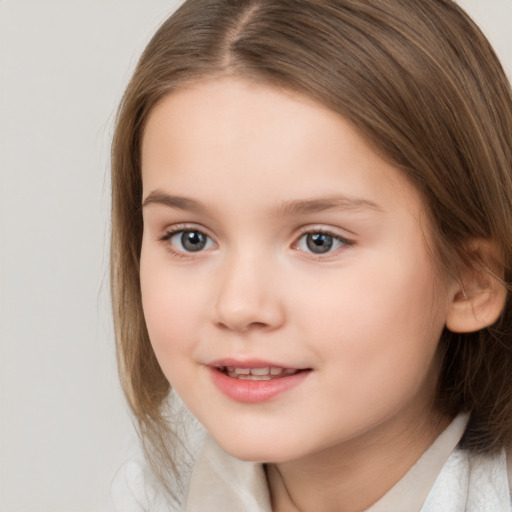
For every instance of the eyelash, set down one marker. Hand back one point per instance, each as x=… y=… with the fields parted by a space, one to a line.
x=181 y=229
x=167 y=237
x=345 y=242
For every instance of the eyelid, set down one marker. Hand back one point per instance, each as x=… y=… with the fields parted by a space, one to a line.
x=171 y=231
x=326 y=230
x=332 y=232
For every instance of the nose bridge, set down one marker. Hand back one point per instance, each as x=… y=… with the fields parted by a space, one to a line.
x=247 y=294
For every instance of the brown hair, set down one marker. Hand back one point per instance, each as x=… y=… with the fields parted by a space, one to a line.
x=419 y=80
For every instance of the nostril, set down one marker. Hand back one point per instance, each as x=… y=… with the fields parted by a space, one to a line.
x=231 y=326
x=257 y=325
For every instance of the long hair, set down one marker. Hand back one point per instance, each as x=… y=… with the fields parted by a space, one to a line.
x=419 y=81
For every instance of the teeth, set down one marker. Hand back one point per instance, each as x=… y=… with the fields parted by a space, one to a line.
x=260 y=371
x=265 y=373
x=255 y=377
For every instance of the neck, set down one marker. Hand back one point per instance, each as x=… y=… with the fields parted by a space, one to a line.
x=354 y=475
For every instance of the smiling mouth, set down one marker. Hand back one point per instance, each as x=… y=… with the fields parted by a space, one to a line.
x=255 y=382
x=264 y=373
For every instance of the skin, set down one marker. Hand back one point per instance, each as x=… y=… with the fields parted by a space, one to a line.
x=365 y=317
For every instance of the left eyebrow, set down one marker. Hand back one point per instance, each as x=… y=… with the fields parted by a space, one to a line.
x=309 y=206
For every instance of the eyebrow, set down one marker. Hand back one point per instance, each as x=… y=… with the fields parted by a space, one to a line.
x=289 y=208
x=335 y=202
x=177 y=202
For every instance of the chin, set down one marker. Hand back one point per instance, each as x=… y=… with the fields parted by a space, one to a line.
x=260 y=451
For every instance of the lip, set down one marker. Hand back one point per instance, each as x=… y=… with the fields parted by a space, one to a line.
x=254 y=391
x=249 y=363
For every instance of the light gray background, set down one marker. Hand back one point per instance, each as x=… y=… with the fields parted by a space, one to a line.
x=64 y=428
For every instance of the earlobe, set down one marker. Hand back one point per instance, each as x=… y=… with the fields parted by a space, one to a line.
x=480 y=296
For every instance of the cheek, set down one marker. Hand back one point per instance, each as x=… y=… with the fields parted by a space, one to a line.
x=171 y=306
x=380 y=323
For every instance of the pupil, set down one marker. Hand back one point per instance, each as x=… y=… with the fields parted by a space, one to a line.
x=193 y=240
x=319 y=242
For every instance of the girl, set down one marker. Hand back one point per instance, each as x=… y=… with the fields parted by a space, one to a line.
x=311 y=244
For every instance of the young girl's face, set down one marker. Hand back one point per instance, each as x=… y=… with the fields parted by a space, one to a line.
x=287 y=287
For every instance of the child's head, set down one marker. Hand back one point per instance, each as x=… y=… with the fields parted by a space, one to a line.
x=423 y=115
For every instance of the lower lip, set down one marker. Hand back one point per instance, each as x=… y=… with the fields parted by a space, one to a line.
x=254 y=391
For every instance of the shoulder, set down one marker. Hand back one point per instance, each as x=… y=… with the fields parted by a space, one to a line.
x=128 y=488
x=509 y=471
x=135 y=489
x=490 y=481
x=471 y=482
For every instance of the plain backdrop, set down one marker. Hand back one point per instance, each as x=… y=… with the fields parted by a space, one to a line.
x=64 y=426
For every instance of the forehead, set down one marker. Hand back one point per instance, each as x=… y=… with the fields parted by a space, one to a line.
x=260 y=141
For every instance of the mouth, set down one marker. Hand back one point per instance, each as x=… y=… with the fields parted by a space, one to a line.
x=255 y=381
x=257 y=374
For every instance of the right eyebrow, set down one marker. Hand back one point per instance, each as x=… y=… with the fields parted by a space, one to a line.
x=177 y=202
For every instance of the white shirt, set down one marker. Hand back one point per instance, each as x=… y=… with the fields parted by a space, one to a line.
x=444 y=479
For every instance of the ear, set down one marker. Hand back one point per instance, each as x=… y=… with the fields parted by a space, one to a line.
x=478 y=298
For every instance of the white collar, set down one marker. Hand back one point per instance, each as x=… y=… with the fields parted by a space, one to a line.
x=409 y=493
x=444 y=479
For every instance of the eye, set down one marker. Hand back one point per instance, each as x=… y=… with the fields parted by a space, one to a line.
x=321 y=242
x=190 y=240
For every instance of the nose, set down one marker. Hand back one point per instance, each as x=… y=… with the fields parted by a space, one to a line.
x=248 y=296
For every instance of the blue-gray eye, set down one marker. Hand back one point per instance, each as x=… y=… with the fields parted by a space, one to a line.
x=320 y=243
x=191 y=241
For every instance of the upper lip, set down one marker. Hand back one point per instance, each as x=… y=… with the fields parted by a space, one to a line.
x=250 y=363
